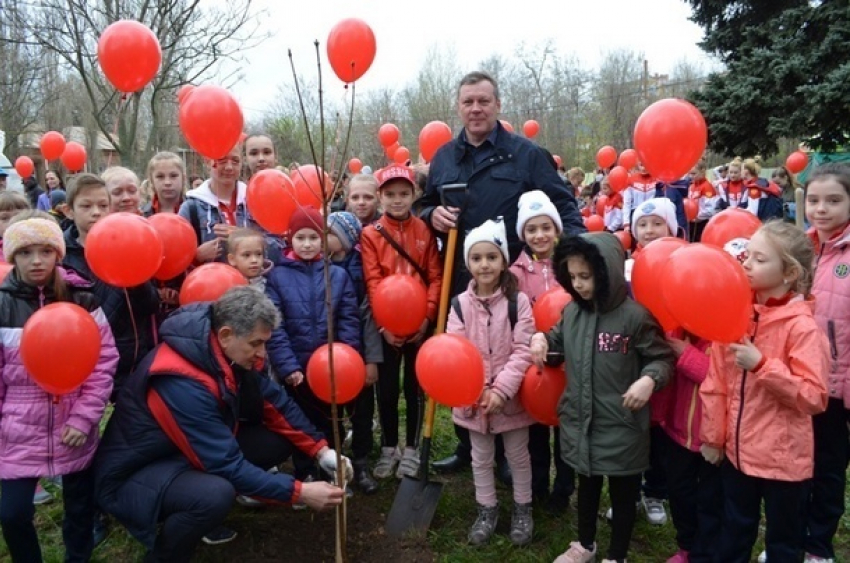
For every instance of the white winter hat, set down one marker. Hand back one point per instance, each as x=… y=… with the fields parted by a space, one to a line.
x=660 y=207
x=492 y=232
x=534 y=204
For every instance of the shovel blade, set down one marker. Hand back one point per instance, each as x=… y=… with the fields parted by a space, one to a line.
x=414 y=506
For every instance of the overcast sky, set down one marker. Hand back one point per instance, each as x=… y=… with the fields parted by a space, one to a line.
x=406 y=30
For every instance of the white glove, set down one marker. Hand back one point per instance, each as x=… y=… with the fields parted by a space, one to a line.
x=327 y=461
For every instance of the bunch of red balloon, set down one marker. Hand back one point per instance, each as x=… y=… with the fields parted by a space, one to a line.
x=52 y=145
x=389 y=136
x=450 y=370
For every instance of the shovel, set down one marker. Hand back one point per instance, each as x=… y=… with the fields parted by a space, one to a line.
x=417 y=498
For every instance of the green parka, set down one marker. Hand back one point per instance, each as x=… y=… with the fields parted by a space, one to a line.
x=608 y=345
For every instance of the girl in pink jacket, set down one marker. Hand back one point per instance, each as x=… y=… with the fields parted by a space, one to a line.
x=44 y=435
x=759 y=398
x=482 y=314
x=828 y=211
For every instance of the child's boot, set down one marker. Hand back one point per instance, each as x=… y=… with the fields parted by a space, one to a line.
x=484 y=525
x=522 y=524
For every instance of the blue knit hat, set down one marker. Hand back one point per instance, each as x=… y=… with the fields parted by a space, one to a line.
x=347 y=228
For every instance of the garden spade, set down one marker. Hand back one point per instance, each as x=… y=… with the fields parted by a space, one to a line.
x=417 y=498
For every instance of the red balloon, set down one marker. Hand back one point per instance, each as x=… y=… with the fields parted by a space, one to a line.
x=391 y=150
x=400 y=304
x=432 y=137
x=508 y=127
x=707 y=292
x=540 y=392
x=450 y=370
x=402 y=155
x=129 y=54
x=351 y=49
x=670 y=137
x=24 y=166
x=179 y=252
x=5 y=268
x=388 y=134
x=796 y=162
x=271 y=200
x=60 y=346
x=52 y=145
x=647 y=280
x=184 y=92
x=355 y=165
x=349 y=373
x=618 y=178
x=625 y=239
x=594 y=223
x=601 y=202
x=74 y=157
x=606 y=156
x=691 y=209
x=211 y=120
x=530 y=128
x=628 y=159
x=549 y=307
x=209 y=282
x=124 y=250
x=309 y=190
x=729 y=225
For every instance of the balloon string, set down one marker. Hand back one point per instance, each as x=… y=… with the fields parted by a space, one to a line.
x=135 y=328
x=121 y=103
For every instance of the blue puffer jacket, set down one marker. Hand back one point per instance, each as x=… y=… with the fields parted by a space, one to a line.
x=298 y=290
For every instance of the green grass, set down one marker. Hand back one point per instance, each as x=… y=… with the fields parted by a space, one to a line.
x=447 y=536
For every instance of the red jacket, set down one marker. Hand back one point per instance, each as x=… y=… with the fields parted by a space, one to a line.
x=380 y=259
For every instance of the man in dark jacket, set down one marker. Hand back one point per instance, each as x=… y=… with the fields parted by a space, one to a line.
x=497 y=168
x=196 y=424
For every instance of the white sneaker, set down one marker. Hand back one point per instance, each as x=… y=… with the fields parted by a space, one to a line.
x=655 y=512
x=815 y=559
x=762 y=557
x=409 y=464
x=577 y=554
x=385 y=467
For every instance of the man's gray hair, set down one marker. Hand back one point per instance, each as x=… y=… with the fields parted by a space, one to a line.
x=242 y=308
x=478 y=76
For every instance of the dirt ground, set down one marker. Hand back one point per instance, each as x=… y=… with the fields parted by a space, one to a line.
x=283 y=534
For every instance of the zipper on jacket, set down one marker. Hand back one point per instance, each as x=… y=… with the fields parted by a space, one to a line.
x=51 y=404
x=833 y=344
x=741 y=407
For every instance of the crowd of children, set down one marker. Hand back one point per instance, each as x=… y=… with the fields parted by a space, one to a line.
x=715 y=428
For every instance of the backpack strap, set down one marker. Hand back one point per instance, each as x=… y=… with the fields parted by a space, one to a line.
x=193 y=218
x=513 y=312
x=456 y=308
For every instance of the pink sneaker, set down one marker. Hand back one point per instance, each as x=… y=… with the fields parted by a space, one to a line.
x=577 y=554
x=681 y=556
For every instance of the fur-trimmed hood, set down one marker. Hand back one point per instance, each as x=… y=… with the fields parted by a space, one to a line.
x=605 y=254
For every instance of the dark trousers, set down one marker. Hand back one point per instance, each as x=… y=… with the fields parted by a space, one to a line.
x=696 y=502
x=784 y=514
x=540 y=451
x=388 y=390
x=655 y=478
x=319 y=413
x=361 y=411
x=624 y=492
x=697 y=227
x=196 y=503
x=17 y=512
x=826 y=503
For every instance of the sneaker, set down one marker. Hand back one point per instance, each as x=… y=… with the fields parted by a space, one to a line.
x=386 y=463
x=300 y=505
x=577 y=553
x=762 y=557
x=249 y=502
x=219 y=536
x=614 y=561
x=522 y=524
x=485 y=524
x=680 y=556
x=655 y=512
x=41 y=496
x=409 y=464
x=55 y=481
x=816 y=559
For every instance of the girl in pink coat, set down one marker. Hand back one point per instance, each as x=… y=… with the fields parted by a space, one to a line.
x=759 y=399
x=828 y=211
x=44 y=435
x=483 y=316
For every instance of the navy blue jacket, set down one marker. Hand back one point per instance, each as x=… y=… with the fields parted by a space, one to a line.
x=297 y=289
x=179 y=411
x=493 y=189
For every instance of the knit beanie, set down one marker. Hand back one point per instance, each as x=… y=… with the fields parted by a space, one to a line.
x=347 y=228
x=57 y=197
x=32 y=231
x=660 y=207
x=306 y=218
x=534 y=204
x=492 y=232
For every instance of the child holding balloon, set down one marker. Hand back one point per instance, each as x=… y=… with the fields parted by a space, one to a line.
x=483 y=316
x=828 y=211
x=604 y=412
x=759 y=398
x=46 y=434
x=130 y=311
x=539 y=226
